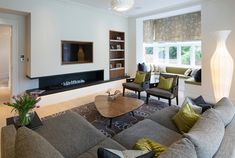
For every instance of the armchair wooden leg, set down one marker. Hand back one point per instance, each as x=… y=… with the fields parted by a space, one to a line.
x=177 y=100
x=147 y=98
x=138 y=95
x=123 y=94
x=169 y=102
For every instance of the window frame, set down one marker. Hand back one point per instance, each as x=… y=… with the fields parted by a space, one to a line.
x=178 y=45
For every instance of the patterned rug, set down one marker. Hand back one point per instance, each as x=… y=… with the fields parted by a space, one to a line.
x=90 y=113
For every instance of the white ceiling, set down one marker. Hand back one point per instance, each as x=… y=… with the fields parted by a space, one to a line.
x=140 y=7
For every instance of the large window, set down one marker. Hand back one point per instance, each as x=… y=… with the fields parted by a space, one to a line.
x=184 y=54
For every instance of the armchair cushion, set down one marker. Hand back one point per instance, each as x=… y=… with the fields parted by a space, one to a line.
x=133 y=86
x=160 y=92
x=140 y=77
x=165 y=83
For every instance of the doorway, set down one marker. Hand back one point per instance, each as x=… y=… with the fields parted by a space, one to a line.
x=5 y=62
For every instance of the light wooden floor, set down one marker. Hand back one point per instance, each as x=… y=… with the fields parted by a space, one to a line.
x=5 y=111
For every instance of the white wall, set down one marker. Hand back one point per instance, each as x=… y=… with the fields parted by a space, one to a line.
x=18 y=69
x=5 y=49
x=56 y=20
x=216 y=15
x=53 y=21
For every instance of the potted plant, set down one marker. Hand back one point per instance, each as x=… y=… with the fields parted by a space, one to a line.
x=23 y=106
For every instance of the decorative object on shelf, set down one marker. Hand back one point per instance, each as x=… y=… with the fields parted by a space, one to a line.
x=118 y=38
x=118 y=65
x=111 y=66
x=23 y=106
x=113 y=96
x=81 y=55
x=112 y=47
x=221 y=67
x=119 y=47
x=122 y=5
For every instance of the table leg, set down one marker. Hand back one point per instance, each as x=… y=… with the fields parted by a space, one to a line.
x=133 y=114
x=110 y=122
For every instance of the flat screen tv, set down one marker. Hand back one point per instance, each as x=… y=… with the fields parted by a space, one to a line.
x=75 y=52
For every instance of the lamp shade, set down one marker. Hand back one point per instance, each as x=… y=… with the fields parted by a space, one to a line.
x=221 y=67
x=122 y=5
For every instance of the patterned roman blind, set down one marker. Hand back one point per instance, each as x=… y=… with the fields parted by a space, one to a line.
x=179 y=28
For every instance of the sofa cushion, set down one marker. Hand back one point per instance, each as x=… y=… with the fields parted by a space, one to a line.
x=176 y=70
x=70 y=134
x=183 y=148
x=207 y=134
x=107 y=143
x=164 y=117
x=227 y=149
x=196 y=108
x=8 y=135
x=199 y=101
x=225 y=109
x=30 y=144
x=147 y=129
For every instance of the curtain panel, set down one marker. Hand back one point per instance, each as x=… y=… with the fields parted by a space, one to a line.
x=179 y=28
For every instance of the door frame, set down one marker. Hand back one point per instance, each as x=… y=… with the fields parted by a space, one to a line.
x=14 y=65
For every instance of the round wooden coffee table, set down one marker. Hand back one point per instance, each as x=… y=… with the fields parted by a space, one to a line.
x=120 y=106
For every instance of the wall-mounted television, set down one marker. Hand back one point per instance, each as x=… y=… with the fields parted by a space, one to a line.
x=76 y=52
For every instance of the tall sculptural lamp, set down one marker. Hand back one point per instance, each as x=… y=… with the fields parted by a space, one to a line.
x=221 y=67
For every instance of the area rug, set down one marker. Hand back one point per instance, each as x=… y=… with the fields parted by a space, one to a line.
x=90 y=113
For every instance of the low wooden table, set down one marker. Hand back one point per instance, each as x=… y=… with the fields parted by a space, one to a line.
x=115 y=108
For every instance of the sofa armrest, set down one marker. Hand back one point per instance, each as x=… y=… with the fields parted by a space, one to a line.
x=130 y=79
x=8 y=137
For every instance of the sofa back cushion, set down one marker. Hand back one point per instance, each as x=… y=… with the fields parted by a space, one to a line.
x=30 y=144
x=227 y=149
x=226 y=110
x=183 y=148
x=207 y=134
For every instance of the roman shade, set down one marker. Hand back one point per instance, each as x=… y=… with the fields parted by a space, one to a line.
x=186 y=27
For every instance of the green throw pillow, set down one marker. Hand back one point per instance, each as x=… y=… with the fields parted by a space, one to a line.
x=165 y=83
x=185 y=118
x=140 y=77
x=146 y=144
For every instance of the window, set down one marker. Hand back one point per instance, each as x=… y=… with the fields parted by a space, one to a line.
x=184 y=54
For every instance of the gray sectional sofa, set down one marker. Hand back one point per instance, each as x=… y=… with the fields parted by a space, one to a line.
x=213 y=135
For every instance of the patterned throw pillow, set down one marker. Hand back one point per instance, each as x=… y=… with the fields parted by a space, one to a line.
x=111 y=153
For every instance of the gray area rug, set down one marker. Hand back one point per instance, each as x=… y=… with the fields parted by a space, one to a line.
x=90 y=113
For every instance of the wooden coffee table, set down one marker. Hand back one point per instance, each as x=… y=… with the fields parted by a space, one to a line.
x=120 y=106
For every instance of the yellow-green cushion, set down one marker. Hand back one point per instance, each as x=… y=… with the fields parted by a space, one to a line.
x=185 y=118
x=150 y=145
x=140 y=77
x=165 y=83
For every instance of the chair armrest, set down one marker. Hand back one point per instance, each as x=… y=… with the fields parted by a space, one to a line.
x=130 y=79
x=175 y=90
x=145 y=84
x=153 y=85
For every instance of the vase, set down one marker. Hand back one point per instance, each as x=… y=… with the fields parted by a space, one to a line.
x=23 y=118
x=81 y=55
x=221 y=67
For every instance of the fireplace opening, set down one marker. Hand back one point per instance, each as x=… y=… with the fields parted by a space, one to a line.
x=65 y=82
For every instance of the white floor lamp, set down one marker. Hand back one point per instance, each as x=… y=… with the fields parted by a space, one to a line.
x=221 y=67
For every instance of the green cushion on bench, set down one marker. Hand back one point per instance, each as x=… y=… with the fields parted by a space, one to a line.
x=176 y=70
x=192 y=81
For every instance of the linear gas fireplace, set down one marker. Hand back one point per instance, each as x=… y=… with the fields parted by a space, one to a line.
x=60 y=83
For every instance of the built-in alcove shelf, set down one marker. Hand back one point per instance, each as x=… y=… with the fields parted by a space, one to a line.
x=117 y=59
x=117 y=54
